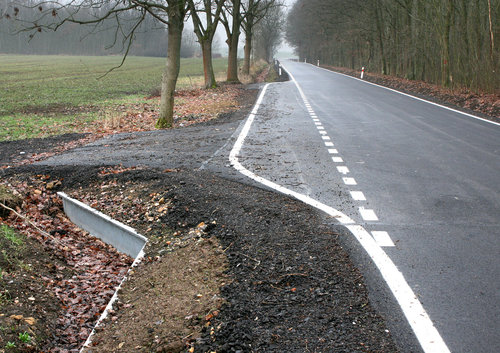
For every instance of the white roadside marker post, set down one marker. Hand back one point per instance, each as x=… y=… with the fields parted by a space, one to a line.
x=362 y=72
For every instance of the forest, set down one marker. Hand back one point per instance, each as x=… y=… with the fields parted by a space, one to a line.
x=454 y=43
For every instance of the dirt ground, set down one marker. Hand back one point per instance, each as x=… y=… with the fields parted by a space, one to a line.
x=229 y=267
x=257 y=275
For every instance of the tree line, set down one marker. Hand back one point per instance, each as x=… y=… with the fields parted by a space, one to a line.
x=454 y=43
x=140 y=26
x=150 y=38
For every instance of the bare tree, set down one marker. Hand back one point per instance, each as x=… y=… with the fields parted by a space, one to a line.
x=231 y=19
x=268 y=33
x=205 y=31
x=127 y=16
x=101 y=39
x=253 y=12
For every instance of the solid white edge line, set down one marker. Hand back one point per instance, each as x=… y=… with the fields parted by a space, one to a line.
x=420 y=322
x=414 y=97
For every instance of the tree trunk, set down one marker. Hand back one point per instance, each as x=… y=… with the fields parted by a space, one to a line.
x=380 y=38
x=232 y=58
x=492 y=38
x=171 y=72
x=248 y=52
x=445 y=56
x=208 y=69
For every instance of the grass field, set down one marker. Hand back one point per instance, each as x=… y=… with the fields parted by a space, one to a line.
x=45 y=95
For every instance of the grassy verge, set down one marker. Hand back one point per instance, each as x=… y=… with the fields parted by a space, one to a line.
x=46 y=95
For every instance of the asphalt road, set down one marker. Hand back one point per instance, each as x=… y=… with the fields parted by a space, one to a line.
x=427 y=176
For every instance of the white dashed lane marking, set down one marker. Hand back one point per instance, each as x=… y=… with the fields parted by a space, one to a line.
x=368 y=214
x=343 y=169
x=349 y=181
x=382 y=238
x=358 y=195
x=418 y=318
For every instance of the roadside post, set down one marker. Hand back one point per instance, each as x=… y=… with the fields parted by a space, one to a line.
x=362 y=72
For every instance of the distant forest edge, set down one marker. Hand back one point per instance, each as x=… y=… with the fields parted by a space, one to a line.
x=106 y=38
x=454 y=43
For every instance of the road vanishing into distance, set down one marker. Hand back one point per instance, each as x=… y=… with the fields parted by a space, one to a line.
x=423 y=181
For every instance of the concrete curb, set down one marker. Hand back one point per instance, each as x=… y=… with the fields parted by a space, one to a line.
x=124 y=238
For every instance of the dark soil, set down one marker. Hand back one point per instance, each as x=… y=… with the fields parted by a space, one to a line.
x=18 y=151
x=292 y=287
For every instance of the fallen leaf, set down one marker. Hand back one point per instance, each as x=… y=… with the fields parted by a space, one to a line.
x=30 y=320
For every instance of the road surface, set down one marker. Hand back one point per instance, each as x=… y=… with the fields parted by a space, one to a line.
x=423 y=180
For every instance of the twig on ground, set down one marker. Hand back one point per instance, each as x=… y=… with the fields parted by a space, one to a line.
x=26 y=219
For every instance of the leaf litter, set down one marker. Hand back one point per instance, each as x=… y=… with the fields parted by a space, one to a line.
x=78 y=275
